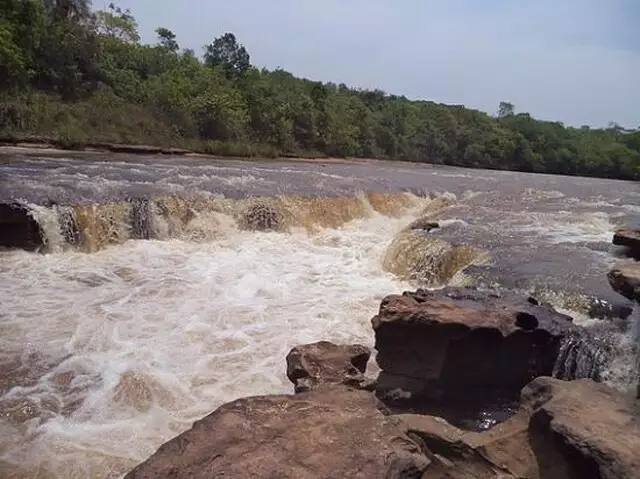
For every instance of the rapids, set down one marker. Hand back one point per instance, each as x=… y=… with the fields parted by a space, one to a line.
x=169 y=286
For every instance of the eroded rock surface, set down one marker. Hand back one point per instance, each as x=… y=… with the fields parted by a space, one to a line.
x=630 y=238
x=323 y=363
x=332 y=432
x=562 y=430
x=625 y=279
x=458 y=342
x=582 y=429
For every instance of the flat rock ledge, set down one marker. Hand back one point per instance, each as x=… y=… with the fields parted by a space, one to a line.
x=629 y=238
x=625 y=279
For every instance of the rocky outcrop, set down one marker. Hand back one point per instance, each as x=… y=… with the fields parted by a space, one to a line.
x=332 y=432
x=432 y=344
x=563 y=430
x=582 y=429
x=629 y=238
x=575 y=430
x=322 y=363
x=18 y=228
x=458 y=342
x=625 y=279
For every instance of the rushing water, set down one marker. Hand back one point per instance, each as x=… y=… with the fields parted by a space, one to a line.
x=110 y=345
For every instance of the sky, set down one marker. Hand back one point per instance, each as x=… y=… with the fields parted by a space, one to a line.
x=575 y=61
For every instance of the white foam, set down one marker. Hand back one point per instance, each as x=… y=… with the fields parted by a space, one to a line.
x=158 y=334
x=568 y=227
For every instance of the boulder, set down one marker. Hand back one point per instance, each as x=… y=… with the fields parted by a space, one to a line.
x=459 y=343
x=331 y=432
x=322 y=363
x=582 y=429
x=629 y=238
x=625 y=279
x=19 y=229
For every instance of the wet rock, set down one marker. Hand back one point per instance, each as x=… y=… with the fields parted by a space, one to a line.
x=629 y=238
x=141 y=218
x=463 y=348
x=424 y=224
x=260 y=217
x=625 y=279
x=330 y=432
x=582 y=429
x=323 y=363
x=502 y=452
x=18 y=228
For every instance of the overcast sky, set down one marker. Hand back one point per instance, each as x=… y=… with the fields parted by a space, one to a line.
x=577 y=61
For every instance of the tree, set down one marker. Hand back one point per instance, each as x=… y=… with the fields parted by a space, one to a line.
x=167 y=39
x=505 y=109
x=117 y=23
x=76 y=10
x=226 y=52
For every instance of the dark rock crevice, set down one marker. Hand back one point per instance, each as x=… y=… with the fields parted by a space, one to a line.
x=18 y=228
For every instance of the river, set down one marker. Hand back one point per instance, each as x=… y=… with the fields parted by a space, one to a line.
x=155 y=295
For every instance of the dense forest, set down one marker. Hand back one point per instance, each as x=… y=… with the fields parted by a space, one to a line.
x=74 y=75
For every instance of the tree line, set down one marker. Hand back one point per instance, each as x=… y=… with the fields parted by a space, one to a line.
x=74 y=75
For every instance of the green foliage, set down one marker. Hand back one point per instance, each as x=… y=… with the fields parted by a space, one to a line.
x=167 y=39
x=117 y=23
x=77 y=77
x=226 y=52
x=505 y=109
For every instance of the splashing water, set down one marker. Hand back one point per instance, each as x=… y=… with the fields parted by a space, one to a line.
x=103 y=357
x=106 y=356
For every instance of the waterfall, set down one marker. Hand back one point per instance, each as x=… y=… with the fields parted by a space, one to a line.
x=141 y=218
x=581 y=356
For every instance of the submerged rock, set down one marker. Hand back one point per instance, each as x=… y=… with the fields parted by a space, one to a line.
x=629 y=238
x=313 y=365
x=459 y=343
x=625 y=279
x=415 y=255
x=260 y=217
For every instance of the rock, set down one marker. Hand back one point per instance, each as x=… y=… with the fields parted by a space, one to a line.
x=582 y=429
x=630 y=238
x=425 y=224
x=563 y=429
x=260 y=217
x=503 y=452
x=625 y=279
x=19 y=229
x=322 y=363
x=331 y=432
x=435 y=347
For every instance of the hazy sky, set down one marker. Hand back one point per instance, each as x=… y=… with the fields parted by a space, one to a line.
x=577 y=61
